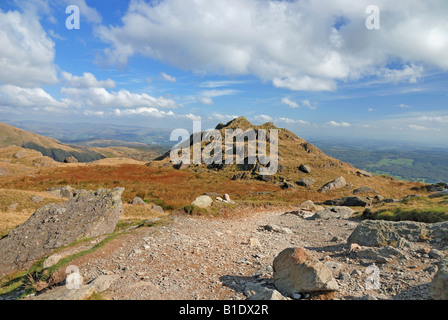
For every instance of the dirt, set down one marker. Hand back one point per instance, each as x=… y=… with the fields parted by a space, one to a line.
x=212 y=258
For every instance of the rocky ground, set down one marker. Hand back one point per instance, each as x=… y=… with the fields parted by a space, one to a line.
x=212 y=258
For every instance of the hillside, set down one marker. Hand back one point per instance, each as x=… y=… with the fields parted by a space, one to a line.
x=294 y=152
x=12 y=136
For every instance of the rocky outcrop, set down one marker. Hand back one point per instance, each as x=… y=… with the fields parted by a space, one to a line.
x=379 y=233
x=297 y=271
x=334 y=184
x=439 y=284
x=87 y=214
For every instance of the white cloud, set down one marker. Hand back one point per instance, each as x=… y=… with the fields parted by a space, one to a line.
x=263 y=118
x=291 y=121
x=37 y=98
x=101 y=98
x=404 y=106
x=167 y=77
x=417 y=127
x=87 y=80
x=219 y=93
x=205 y=100
x=26 y=52
x=339 y=124
x=221 y=83
x=304 y=103
x=290 y=103
x=295 y=44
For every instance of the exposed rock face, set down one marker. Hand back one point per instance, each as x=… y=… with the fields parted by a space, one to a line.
x=439 y=285
x=255 y=291
x=202 y=202
x=334 y=213
x=350 y=202
x=382 y=233
x=87 y=214
x=296 y=271
x=334 y=184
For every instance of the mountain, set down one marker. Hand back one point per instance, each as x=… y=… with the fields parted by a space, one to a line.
x=12 y=136
x=301 y=164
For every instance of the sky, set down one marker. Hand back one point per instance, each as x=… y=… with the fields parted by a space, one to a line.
x=323 y=68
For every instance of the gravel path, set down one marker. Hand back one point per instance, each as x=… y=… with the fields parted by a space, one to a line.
x=200 y=258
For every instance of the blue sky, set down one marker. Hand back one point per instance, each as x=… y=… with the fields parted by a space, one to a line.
x=310 y=66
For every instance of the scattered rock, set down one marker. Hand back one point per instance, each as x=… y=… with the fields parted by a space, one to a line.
x=350 y=202
x=255 y=291
x=288 y=185
x=71 y=160
x=158 y=209
x=202 y=202
x=308 y=206
x=304 y=168
x=332 y=185
x=363 y=173
x=306 y=182
x=265 y=178
x=334 y=213
x=12 y=207
x=363 y=190
x=138 y=202
x=436 y=254
x=100 y=284
x=37 y=199
x=88 y=214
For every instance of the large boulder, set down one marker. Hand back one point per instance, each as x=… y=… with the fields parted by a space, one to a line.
x=296 y=271
x=439 y=284
x=334 y=213
x=87 y=214
x=202 y=202
x=334 y=184
x=379 y=233
x=350 y=202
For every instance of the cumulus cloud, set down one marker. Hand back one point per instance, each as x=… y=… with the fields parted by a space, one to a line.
x=26 y=52
x=290 y=103
x=36 y=98
x=304 y=103
x=101 y=98
x=87 y=80
x=297 y=45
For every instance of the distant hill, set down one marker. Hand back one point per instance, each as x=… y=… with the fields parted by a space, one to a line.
x=12 y=136
x=404 y=162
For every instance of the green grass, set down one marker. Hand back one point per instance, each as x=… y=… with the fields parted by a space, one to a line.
x=419 y=209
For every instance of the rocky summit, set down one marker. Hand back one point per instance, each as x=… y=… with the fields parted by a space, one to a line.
x=87 y=214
